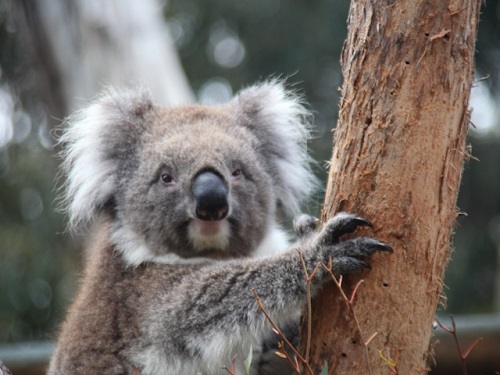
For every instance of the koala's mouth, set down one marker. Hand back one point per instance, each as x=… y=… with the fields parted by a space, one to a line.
x=209 y=235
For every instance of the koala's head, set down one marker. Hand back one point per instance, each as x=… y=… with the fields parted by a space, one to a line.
x=190 y=181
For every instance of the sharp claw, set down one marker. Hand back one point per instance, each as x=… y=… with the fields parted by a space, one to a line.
x=385 y=247
x=363 y=222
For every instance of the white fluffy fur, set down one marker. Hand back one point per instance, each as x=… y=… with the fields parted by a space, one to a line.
x=133 y=247
x=282 y=112
x=275 y=242
x=135 y=250
x=91 y=177
x=215 y=349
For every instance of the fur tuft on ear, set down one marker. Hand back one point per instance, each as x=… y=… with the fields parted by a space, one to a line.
x=94 y=140
x=281 y=123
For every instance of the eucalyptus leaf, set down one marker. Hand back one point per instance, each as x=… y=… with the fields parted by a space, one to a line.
x=325 y=369
x=248 y=361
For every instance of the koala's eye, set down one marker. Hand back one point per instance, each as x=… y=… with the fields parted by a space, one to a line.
x=167 y=179
x=237 y=173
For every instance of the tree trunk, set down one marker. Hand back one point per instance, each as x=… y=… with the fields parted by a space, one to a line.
x=80 y=46
x=399 y=149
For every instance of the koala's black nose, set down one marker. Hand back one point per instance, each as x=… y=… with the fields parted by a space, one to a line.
x=210 y=193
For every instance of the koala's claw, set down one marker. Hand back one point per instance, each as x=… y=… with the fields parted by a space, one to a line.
x=361 y=247
x=385 y=247
x=372 y=245
x=341 y=224
x=348 y=253
x=360 y=222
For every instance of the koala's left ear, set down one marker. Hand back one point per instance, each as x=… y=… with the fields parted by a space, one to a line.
x=95 y=142
x=280 y=122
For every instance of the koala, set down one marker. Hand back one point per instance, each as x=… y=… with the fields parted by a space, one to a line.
x=186 y=205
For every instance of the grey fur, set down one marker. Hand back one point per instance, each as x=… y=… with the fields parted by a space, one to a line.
x=161 y=295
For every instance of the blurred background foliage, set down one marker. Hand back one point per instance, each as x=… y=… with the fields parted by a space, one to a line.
x=223 y=45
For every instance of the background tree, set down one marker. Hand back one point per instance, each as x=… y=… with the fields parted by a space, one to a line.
x=81 y=46
x=398 y=156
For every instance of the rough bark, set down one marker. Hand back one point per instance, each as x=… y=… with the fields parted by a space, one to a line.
x=399 y=149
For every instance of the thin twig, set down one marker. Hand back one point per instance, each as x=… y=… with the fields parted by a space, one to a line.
x=284 y=354
x=233 y=367
x=486 y=77
x=463 y=354
x=309 y=305
x=276 y=328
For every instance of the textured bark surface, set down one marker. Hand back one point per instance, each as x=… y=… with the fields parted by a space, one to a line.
x=399 y=149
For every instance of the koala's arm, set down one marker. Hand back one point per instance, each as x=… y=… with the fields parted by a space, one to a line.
x=280 y=281
x=182 y=319
x=208 y=315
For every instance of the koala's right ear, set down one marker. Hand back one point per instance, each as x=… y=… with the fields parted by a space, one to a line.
x=94 y=141
x=279 y=120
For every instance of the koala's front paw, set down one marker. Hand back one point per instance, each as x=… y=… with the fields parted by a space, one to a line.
x=347 y=255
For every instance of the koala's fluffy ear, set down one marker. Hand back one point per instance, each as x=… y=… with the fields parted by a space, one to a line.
x=281 y=123
x=95 y=141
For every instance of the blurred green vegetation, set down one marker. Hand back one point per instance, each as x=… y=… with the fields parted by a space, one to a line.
x=224 y=45
x=37 y=263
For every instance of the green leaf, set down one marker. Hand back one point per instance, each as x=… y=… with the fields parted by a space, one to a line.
x=248 y=361
x=325 y=369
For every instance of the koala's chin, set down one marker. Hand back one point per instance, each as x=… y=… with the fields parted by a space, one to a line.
x=209 y=235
